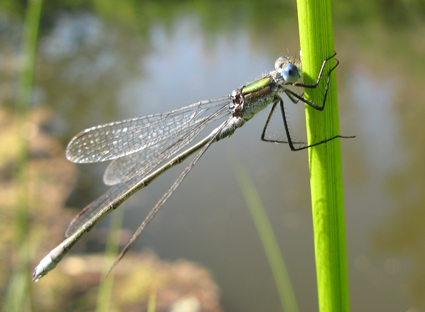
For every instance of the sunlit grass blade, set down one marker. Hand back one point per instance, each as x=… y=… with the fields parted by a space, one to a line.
x=18 y=291
x=316 y=38
x=112 y=247
x=152 y=301
x=268 y=240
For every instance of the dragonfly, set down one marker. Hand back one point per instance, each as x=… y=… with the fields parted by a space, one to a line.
x=140 y=148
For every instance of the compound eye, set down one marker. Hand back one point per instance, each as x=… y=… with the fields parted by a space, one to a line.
x=290 y=73
x=280 y=62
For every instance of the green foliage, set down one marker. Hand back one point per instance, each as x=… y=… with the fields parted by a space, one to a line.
x=219 y=16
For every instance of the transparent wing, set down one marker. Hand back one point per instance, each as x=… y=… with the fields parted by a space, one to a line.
x=124 y=167
x=117 y=139
x=118 y=193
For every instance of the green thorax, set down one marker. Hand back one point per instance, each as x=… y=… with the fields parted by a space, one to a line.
x=256 y=85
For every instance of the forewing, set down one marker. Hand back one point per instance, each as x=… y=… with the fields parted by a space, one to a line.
x=117 y=139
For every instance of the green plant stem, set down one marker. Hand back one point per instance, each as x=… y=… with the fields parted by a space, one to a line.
x=268 y=239
x=152 y=301
x=104 y=297
x=18 y=296
x=316 y=38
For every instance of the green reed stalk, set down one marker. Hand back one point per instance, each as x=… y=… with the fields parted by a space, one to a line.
x=18 y=293
x=316 y=38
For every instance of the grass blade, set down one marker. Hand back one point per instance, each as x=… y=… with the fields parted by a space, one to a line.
x=18 y=296
x=268 y=240
x=112 y=247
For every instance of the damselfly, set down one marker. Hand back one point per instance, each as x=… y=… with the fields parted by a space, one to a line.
x=140 y=146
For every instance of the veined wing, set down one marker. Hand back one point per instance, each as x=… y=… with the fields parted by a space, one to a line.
x=118 y=193
x=117 y=139
x=125 y=167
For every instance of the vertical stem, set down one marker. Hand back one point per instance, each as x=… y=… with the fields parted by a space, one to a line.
x=268 y=239
x=316 y=38
x=18 y=297
x=104 y=296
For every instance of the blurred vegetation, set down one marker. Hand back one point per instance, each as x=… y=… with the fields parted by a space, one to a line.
x=220 y=15
x=215 y=15
x=50 y=180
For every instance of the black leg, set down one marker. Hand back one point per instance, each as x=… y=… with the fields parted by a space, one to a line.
x=312 y=86
x=263 y=135
x=289 y=141
x=288 y=135
x=301 y=98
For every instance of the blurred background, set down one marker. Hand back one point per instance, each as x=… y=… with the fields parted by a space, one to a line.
x=101 y=61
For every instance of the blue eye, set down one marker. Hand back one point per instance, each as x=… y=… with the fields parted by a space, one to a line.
x=280 y=62
x=290 y=73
